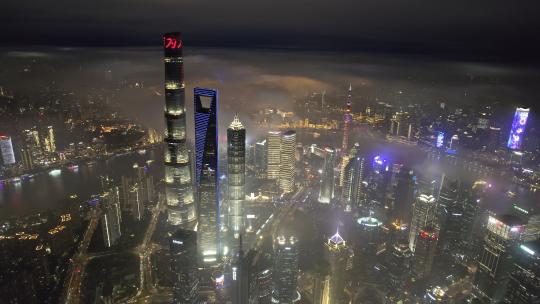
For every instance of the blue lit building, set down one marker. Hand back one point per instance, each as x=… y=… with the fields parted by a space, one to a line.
x=206 y=172
x=518 y=129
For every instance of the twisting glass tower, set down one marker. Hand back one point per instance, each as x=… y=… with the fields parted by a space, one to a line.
x=178 y=184
x=206 y=166
x=236 y=167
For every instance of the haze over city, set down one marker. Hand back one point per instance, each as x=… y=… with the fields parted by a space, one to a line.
x=244 y=152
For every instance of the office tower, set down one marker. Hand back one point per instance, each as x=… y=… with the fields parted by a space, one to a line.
x=494 y=261
x=452 y=219
x=424 y=214
x=352 y=185
x=347 y=119
x=49 y=143
x=369 y=238
x=326 y=193
x=404 y=193
x=273 y=155
x=6 y=148
x=242 y=271
x=236 y=170
x=27 y=160
x=518 y=129
x=135 y=202
x=426 y=244
x=338 y=253
x=32 y=145
x=524 y=283
x=287 y=161
x=183 y=248
x=285 y=272
x=345 y=158
x=261 y=289
x=206 y=166
x=260 y=156
x=111 y=218
x=398 y=260
x=145 y=182
x=181 y=208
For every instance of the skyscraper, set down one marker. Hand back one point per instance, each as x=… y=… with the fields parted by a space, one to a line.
x=524 y=284
x=49 y=142
x=518 y=129
x=273 y=155
x=326 y=193
x=424 y=214
x=287 y=162
x=178 y=183
x=183 y=248
x=206 y=166
x=6 y=147
x=236 y=167
x=352 y=185
x=338 y=254
x=494 y=261
x=285 y=272
x=426 y=244
x=111 y=218
x=404 y=193
x=260 y=156
x=347 y=119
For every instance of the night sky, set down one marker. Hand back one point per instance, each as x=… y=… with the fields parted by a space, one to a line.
x=492 y=30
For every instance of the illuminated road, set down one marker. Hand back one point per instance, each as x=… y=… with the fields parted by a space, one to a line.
x=72 y=286
x=147 y=291
x=269 y=229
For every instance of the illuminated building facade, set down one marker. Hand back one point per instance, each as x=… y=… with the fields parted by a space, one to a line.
x=439 y=140
x=494 y=261
x=285 y=274
x=347 y=119
x=49 y=142
x=111 y=218
x=326 y=193
x=518 y=129
x=338 y=254
x=287 y=162
x=178 y=183
x=352 y=185
x=183 y=247
x=206 y=166
x=426 y=244
x=524 y=284
x=6 y=148
x=273 y=155
x=236 y=167
x=424 y=215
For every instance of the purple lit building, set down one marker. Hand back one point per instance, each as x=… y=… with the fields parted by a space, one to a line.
x=518 y=129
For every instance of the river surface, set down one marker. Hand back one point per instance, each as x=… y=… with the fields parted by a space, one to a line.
x=52 y=189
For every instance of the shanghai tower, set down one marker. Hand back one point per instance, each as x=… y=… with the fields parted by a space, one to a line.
x=181 y=208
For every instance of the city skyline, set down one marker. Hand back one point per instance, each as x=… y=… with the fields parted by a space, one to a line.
x=397 y=163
